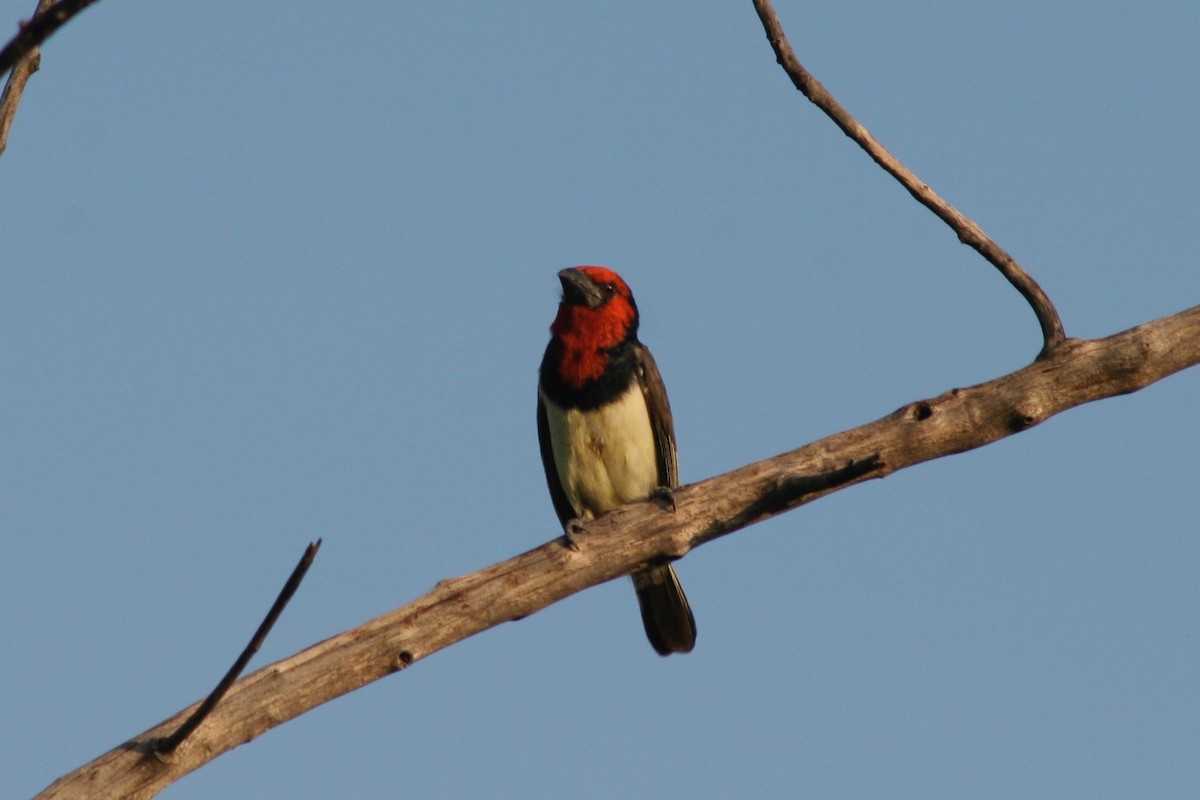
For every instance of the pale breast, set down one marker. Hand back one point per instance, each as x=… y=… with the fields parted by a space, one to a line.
x=605 y=457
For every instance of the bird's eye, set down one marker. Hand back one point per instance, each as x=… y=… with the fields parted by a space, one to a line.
x=610 y=288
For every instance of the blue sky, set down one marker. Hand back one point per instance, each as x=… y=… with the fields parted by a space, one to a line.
x=271 y=274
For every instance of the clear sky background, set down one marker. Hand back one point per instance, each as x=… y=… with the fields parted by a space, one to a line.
x=272 y=272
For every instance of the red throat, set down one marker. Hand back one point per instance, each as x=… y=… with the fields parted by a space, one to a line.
x=587 y=334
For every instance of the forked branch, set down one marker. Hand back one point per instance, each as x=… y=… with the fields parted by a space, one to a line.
x=968 y=232
x=1068 y=373
x=165 y=746
x=48 y=18
x=25 y=64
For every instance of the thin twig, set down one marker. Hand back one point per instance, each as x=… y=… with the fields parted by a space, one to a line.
x=44 y=23
x=167 y=744
x=968 y=232
x=25 y=66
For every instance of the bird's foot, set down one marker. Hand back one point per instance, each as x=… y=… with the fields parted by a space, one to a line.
x=665 y=497
x=573 y=527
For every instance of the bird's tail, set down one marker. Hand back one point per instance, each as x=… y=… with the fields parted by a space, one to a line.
x=665 y=610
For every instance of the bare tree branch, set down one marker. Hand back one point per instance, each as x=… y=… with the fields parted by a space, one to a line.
x=1075 y=372
x=48 y=19
x=968 y=232
x=167 y=745
x=1067 y=373
x=23 y=68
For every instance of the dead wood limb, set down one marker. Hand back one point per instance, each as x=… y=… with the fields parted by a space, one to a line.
x=166 y=745
x=1076 y=372
x=968 y=231
x=48 y=18
x=23 y=67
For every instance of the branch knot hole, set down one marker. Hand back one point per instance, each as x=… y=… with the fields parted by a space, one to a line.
x=1020 y=420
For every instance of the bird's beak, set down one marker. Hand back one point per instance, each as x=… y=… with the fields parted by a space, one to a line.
x=579 y=290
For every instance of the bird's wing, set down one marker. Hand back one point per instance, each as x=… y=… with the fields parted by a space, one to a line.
x=562 y=506
x=660 y=417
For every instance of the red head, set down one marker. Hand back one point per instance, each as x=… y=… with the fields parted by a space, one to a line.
x=596 y=314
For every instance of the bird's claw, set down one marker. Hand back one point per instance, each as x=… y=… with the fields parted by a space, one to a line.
x=572 y=527
x=665 y=497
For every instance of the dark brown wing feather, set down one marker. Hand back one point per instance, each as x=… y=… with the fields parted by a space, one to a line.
x=661 y=420
x=558 y=495
x=666 y=614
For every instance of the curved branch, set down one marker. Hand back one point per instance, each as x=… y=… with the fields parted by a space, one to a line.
x=968 y=231
x=1076 y=372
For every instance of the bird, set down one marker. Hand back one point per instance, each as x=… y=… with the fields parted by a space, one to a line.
x=606 y=432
